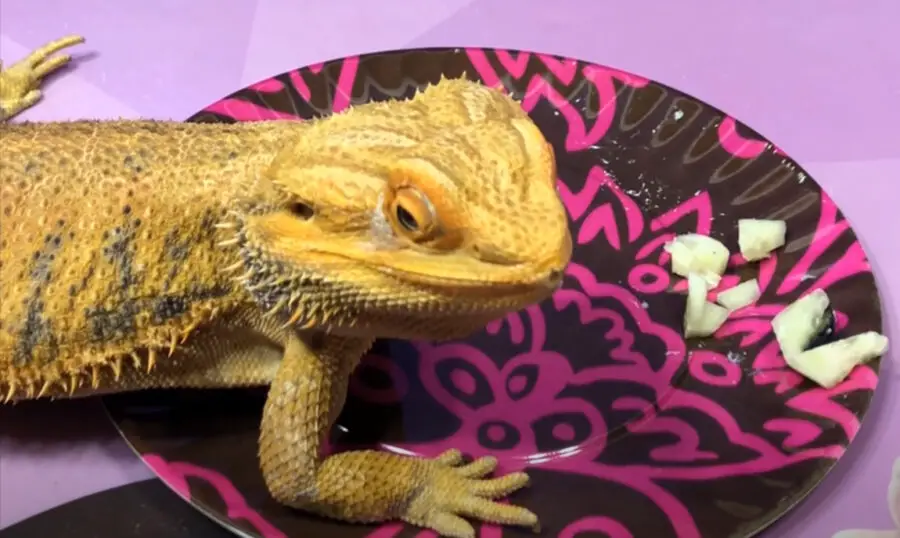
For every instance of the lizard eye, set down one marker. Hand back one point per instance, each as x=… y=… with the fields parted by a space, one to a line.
x=406 y=219
x=412 y=214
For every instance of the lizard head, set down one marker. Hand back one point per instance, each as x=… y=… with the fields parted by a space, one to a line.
x=423 y=218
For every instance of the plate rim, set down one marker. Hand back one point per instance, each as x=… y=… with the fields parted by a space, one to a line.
x=748 y=130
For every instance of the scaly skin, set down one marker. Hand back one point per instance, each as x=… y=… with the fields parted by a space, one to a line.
x=139 y=254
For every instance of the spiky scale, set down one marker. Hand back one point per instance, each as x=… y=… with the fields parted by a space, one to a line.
x=45 y=388
x=11 y=392
x=74 y=383
x=116 y=365
x=233 y=267
x=294 y=318
x=186 y=333
x=277 y=308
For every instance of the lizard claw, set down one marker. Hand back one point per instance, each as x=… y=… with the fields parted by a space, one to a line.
x=454 y=490
x=19 y=85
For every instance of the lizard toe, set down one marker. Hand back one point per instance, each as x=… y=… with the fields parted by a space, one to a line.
x=490 y=511
x=450 y=457
x=499 y=487
x=451 y=526
x=479 y=468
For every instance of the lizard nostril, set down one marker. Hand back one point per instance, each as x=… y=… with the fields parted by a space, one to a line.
x=555 y=276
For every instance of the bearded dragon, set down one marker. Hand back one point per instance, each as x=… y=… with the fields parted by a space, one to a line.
x=156 y=254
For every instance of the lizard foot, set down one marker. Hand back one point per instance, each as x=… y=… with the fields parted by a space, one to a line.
x=453 y=489
x=19 y=85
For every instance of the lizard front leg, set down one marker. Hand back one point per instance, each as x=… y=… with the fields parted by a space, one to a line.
x=365 y=486
x=19 y=85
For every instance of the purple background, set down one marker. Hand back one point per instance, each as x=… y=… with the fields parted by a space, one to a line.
x=820 y=78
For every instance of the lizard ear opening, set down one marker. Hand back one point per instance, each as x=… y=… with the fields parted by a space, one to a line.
x=301 y=210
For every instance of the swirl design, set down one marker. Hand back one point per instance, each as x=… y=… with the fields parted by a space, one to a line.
x=595 y=391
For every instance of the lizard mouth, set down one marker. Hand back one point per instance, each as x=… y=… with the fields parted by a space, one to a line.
x=471 y=273
x=342 y=283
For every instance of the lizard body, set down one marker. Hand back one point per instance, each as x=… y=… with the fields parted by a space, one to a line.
x=145 y=254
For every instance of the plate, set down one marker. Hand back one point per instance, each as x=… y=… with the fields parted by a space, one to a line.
x=627 y=429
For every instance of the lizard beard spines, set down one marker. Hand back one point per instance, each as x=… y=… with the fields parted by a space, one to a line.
x=302 y=299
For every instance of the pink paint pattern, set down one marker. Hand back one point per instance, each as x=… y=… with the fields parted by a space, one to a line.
x=176 y=474
x=614 y=317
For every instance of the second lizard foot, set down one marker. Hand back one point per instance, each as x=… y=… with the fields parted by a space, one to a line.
x=454 y=490
x=20 y=84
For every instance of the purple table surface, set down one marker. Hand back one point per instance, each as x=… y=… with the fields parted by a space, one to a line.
x=820 y=78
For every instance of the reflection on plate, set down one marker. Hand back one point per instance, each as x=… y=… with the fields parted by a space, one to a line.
x=627 y=429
